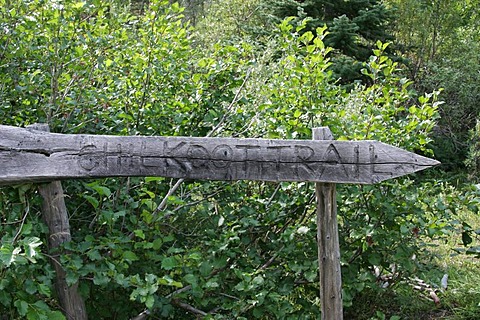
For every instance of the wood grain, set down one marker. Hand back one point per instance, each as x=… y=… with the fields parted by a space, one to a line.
x=329 y=267
x=36 y=156
x=55 y=216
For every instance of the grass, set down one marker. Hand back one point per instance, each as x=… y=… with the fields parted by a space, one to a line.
x=462 y=298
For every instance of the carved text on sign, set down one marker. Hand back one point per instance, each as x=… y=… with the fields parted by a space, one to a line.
x=39 y=156
x=234 y=161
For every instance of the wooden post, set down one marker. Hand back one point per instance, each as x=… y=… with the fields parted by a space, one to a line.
x=55 y=215
x=328 y=243
x=33 y=156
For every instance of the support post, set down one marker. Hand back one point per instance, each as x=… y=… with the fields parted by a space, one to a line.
x=55 y=215
x=328 y=243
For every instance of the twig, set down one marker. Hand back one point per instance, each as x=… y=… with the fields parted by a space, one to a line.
x=229 y=296
x=235 y=99
x=198 y=201
x=273 y=195
x=10 y=223
x=174 y=293
x=143 y=315
x=27 y=210
x=246 y=127
x=271 y=260
x=163 y=204
x=188 y=307
x=54 y=259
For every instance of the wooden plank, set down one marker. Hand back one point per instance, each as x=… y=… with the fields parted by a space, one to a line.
x=35 y=156
x=328 y=244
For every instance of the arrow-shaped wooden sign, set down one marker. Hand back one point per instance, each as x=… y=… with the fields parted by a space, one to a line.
x=35 y=156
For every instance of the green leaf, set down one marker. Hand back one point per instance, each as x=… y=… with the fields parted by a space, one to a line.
x=153 y=179
x=78 y=5
x=149 y=302
x=190 y=278
x=40 y=305
x=8 y=254
x=205 y=268
x=5 y=298
x=30 y=286
x=212 y=283
x=22 y=307
x=93 y=201
x=139 y=233
x=56 y=315
x=100 y=279
x=157 y=243
x=101 y=190
x=30 y=244
x=44 y=289
x=169 y=263
x=38 y=311
x=129 y=256
x=71 y=278
x=166 y=280
x=94 y=255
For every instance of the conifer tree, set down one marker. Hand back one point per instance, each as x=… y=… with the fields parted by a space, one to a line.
x=354 y=27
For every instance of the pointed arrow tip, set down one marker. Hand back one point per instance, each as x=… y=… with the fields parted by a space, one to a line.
x=432 y=162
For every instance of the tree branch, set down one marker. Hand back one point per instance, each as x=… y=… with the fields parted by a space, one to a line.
x=230 y=106
x=141 y=316
x=188 y=307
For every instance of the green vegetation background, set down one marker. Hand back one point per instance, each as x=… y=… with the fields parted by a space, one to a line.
x=401 y=72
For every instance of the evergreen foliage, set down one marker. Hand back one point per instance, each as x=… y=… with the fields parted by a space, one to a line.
x=353 y=27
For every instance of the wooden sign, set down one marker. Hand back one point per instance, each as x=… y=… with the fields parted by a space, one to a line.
x=36 y=156
x=28 y=155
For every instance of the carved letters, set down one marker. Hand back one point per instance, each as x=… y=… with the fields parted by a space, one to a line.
x=39 y=156
x=228 y=161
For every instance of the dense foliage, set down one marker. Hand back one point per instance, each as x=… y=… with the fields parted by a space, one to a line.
x=353 y=28
x=440 y=38
x=238 y=250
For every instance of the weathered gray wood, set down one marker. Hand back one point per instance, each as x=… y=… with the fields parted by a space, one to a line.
x=55 y=216
x=33 y=156
x=328 y=244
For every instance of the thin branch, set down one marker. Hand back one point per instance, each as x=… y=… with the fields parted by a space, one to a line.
x=198 y=201
x=176 y=292
x=54 y=259
x=162 y=204
x=246 y=127
x=271 y=260
x=27 y=210
x=10 y=223
x=141 y=316
x=273 y=195
x=188 y=307
x=229 y=296
x=172 y=190
x=230 y=106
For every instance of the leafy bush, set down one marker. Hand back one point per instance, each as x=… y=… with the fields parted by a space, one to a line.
x=224 y=250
